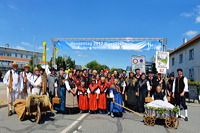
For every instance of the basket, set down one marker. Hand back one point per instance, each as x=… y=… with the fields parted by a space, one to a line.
x=168 y=99
x=56 y=100
x=148 y=99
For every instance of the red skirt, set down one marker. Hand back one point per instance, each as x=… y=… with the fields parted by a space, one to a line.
x=93 y=102
x=102 y=101
x=83 y=102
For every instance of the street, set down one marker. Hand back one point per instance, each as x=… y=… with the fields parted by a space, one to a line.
x=88 y=123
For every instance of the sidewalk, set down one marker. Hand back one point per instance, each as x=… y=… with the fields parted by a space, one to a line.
x=3 y=93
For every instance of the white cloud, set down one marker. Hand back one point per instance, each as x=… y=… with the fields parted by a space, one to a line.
x=42 y=48
x=198 y=19
x=13 y=7
x=187 y=14
x=19 y=47
x=191 y=33
x=26 y=44
x=81 y=55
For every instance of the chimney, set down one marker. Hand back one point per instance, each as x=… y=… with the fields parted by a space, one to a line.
x=184 y=40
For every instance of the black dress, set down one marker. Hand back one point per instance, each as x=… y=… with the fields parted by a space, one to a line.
x=131 y=90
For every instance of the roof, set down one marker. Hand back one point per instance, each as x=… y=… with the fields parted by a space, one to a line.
x=17 y=59
x=186 y=44
x=21 y=50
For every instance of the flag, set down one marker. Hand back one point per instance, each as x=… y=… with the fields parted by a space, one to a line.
x=44 y=52
x=55 y=52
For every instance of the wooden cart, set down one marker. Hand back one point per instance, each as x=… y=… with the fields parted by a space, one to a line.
x=150 y=117
x=36 y=106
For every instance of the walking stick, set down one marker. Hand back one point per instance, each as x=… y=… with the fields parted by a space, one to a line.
x=129 y=109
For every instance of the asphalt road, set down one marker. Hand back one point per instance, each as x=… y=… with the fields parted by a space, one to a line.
x=88 y=123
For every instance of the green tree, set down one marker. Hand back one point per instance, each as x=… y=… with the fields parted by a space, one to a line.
x=118 y=69
x=59 y=61
x=70 y=63
x=32 y=65
x=95 y=65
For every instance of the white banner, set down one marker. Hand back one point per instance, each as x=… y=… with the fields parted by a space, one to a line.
x=162 y=60
x=138 y=62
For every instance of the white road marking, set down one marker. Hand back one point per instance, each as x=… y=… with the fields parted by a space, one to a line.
x=79 y=127
x=74 y=123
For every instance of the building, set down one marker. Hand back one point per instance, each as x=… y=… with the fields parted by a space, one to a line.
x=187 y=57
x=9 y=55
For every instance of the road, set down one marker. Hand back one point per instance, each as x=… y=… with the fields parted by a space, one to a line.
x=88 y=123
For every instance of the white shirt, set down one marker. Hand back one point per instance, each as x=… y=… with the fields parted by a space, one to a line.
x=35 y=82
x=148 y=86
x=185 y=80
x=96 y=91
x=28 y=75
x=17 y=79
x=68 y=86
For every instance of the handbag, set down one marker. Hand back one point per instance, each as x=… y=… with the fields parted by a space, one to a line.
x=56 y=100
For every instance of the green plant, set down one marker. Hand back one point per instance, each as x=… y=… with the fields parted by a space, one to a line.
x=175 y=110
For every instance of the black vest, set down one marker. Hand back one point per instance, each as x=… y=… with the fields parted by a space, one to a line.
x=179 y=86
x=158 y=96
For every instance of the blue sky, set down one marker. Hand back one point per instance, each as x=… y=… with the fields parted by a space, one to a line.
x=22 y=19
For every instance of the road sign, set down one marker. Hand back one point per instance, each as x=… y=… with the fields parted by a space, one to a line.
x=138 y=62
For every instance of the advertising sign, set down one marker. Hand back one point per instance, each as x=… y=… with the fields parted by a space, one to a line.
x=162 y=60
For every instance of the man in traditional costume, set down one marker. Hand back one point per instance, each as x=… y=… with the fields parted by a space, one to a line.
x=51 y=78
x=36 y=82
x=102 y=95
x=60 y=91
x=83 y=98
x=170 y=87
x=115 y=94
x=27 y=86
x=180 y=87
x=93 y=94
x=14 y=82
x=71 y=102
x=152 y=82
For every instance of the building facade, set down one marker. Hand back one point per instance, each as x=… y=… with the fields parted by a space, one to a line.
x=9 y=55
x=187 y=57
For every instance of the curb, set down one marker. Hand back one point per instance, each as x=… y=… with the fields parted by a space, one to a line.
x=4 y=105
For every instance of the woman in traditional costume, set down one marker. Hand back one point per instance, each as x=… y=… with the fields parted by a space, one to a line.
x=71 y=102
x=93 y=94
x=132 y=99
x=115 y=94
x=143 y=91
x=102 y=96
x=60 y=91
x=83 y=98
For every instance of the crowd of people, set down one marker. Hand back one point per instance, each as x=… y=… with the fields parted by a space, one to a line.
x=82 y=91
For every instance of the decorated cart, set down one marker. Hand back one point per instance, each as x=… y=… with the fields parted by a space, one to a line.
x=159 y=109
x=34 y=105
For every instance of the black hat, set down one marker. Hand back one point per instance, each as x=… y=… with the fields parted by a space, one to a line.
x=52 y=69
x=171 y=75
x=180 y=70
x=150 y=72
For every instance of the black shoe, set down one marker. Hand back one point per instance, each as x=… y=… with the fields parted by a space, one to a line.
x=179 y=116
x=10 y=113
x=186 y=118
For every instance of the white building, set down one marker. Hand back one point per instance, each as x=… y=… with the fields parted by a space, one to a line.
x=187 y=57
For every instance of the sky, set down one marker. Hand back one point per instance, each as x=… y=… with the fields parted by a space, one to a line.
x=25 y=24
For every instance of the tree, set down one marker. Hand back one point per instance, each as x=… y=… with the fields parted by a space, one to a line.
x=95 y=65
x=32 y=64
x=70 y=63
x=118 y=69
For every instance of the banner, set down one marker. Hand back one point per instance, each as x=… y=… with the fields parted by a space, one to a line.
x=162 y=60
x=44 y=52
x=138 y=62
x=162 y=70
x=114 y=45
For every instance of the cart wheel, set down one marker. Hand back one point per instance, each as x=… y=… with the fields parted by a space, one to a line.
x=149 y=120
x=38 y=115
x=172 y=122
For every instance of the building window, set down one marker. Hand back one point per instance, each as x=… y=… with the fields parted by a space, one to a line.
x=26 y=56
x=21 y=55
x=191 y=54
x=173 y=61
x=15 y=55
x=191 y=74
x=181 y=58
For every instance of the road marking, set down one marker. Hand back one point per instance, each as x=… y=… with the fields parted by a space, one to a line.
x=75 y=132
x=74 y=123
x=79 y=127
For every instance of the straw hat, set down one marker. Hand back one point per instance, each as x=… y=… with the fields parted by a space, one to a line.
x=27 y=65
x=36 y=69
x=14 y=64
